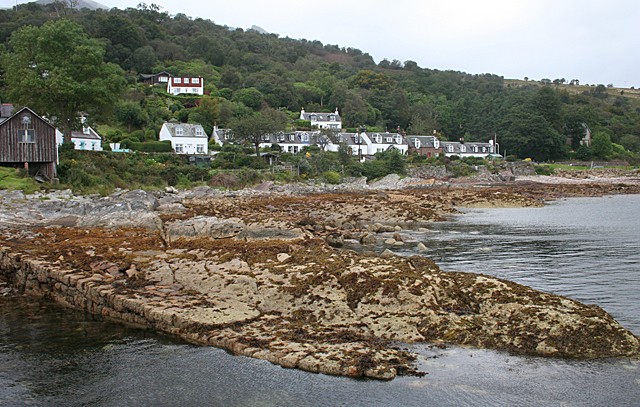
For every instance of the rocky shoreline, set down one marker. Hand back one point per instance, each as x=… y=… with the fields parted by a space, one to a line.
x=259 y=272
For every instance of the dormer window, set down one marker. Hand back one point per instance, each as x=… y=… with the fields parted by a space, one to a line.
x=388 y=139
x=186 y=80
x=332 y=118
x=179 y=131
x=199 y=131
x=463 y=149
x=195 y=80
x=416 y=143
x=177 y=80
x=314 y=118
x=436 y=143
x=398 y=139
x=450 y=148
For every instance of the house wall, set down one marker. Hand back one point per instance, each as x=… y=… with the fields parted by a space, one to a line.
x=189 y=144
x=42 y=150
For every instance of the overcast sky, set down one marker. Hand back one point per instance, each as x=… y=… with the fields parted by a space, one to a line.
x=595 y=41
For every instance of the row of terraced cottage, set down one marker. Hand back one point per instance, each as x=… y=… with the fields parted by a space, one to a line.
x=29 y=141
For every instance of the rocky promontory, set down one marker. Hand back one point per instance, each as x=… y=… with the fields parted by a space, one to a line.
x=254 y=272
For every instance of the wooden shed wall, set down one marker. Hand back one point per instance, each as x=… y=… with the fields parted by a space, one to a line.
x=42 y=150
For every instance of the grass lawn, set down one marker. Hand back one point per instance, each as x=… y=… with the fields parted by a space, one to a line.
x=10 y=179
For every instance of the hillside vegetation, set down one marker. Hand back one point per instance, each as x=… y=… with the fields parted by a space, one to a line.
x=245 y=71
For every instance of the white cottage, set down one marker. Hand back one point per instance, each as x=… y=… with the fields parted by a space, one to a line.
x=323 y=120
x=186 y=138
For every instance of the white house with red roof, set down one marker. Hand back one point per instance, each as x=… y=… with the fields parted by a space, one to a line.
x=183 y=84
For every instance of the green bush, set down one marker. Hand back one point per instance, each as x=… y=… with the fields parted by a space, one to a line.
x=150 y=135
x=332 y=177
x=544 y=170
x=137 y=134
x=511 y=158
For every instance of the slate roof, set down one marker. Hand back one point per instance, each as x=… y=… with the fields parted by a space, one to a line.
x=321 y=117
x=351 y=139
x=469 y=147
x=5 y=111
x=394 y=139
x=92 y=135
x=189 y=129
x=425 y=141
x=285 y=137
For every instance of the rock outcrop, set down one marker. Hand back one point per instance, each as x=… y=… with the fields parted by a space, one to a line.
x=303 y=304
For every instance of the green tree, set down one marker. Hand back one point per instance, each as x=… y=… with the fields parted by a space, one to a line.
x=58 y=71
x=253 y=129
x=601 y=145
x=129 y=113
x=531 y=136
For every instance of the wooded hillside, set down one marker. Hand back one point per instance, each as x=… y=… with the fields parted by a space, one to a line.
x=244 y=71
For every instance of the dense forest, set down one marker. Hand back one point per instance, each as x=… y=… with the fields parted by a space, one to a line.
x=245 y=71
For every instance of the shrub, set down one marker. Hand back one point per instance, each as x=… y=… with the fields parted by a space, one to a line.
x=544 y=170
x=511 y=158
x=332 y=177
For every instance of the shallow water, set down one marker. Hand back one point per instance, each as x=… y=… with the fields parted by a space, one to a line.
x=585 y=249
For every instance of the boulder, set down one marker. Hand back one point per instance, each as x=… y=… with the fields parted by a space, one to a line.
x=203 y=226
x=368 y=239
x=270 y=233
x=144 y=197
x=335 y=240
x=507 y=176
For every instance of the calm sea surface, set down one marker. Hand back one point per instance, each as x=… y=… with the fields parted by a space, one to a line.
x=583 y=248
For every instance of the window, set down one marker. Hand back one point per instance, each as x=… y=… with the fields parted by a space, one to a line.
x=26 y=136
x=81 y=145
x=463 y=149
x=416 y=143
x=378 y=138
x=484 y=149
x=314 y=118
x=178 y=90
x=194 y=90
x=388 y=139
x=333 y=126
x=450 y=148
x=332 y=118
x=195 y=80
x=305 y=138
x=292 y=137
x=177 y=80
x=398 y=139
x=199 y=131
x=178 y=148
x=200 y=148
x=179 y=131
x=186 y=80
x=163 y=79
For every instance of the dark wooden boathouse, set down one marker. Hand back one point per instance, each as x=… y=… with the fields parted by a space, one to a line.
x=29 y=141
